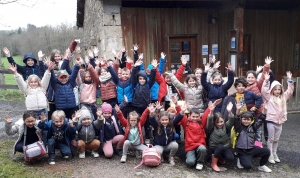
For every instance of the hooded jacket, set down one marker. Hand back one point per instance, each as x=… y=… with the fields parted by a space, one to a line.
x=277 y=111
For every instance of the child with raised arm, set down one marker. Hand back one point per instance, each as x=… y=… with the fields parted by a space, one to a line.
x=86 y=128
x=219 y=142
x=31 y=66
x=246 y=126
x=133 y=137
x=34 y=89
x=276 y=99
x=217 y=89
x=60 y=132
x=164 y=131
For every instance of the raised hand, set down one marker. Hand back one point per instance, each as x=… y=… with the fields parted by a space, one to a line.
x=40 y=55
x=213 y=60
x=154 y=63
x=78 y=50
x=103 y=60
x=151 y=108
x=117 y=108
x=8 y=119
x=43 y=116
x=174 y=100
x=6 y=52
x=97 y=62
x=258 y=69
x=211 y=107
x=114 y=52
x=268 y=60
x=138 y=62
x=267 y=76
x=183 y=108
x=206 y=67
x=123 y=49
x=78 y=62
x=218 y=101
x=229 y=66
x=183 y=60
x=99 y=112
x=71 y=124
x=216 y=65
x=13 y=68
x=78 y=114
x=51 y=65
x=289 y=75
x=141 y=56
x=90 y=53
x=158 y=106
x=46 y=60
x=229 y=107
x=135 y=47
x=162 y=55
x=68 y=54
x=96 y=51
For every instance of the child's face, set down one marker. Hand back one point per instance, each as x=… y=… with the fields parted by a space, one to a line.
x=133 y=121
x=219 y=123
x=142 y=80
x=87 y=77
x=86 y=121
x=120 y=73
x=58 y=122
x=276 y=90
x=240 y=88
x=168 y=79
x=103 y=72
x=250 y=79
x=57 y=57
x=63 y=79
x=110 y=63
x=106 y=114
x=198 y=74
x=33 y=83
x=191 y=82
x=195 y=117
x=30 y=62
x=217 y=80
x=125 y=75
x=164 y=121
x=29 y=121
x=246 y=121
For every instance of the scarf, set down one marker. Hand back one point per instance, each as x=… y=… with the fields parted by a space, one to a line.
x=254 y=88
x=104 y=78
x=88 y=83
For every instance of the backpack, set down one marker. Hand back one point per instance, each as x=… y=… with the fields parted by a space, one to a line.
x=150 y=157
x=233 y=137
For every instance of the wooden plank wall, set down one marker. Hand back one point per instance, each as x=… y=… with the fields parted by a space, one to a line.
x=151 y=28
x=273 y=33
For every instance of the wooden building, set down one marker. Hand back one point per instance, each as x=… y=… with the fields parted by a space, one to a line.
x=198 y=28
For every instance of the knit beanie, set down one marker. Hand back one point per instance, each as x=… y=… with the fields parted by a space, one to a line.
x=106 y=107
x=170 y=109
x=85 y=113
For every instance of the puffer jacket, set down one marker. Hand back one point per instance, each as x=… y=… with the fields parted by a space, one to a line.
x=246 y=137
x=108 y=88
x=35 y=98
x=88 y=133
x=192 y=96
x=18 y=127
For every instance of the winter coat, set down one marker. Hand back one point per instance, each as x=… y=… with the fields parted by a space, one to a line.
x=18 y=127
x=219 y=135
x=69 y=132
x=217 y=91
x=64 y=95
x=246 y=137
x=108 y=88
x=192 y=95
x=126 y=123
x=277 y=111
x=165 y=137
x=35 y=99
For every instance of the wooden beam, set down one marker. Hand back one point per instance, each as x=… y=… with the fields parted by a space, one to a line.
x=5 y=71
x=2 y=86
x=239 y=25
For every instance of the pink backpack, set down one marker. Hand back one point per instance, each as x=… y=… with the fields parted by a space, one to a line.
x=150 y=157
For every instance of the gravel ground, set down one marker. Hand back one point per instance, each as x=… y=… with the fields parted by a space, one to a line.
x=288 y=151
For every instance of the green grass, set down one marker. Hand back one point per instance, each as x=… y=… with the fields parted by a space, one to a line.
x=11 y=94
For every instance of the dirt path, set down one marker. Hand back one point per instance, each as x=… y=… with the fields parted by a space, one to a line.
x=288 y=150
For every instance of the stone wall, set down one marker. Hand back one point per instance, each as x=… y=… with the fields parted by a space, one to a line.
x=102 y=26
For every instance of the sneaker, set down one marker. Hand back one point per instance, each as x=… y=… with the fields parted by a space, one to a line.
x=51 y=162
x=138 y=154
x=276 y=159
x=95 y=154
x=171 y=161
x=264 y=168
x=65 y=157
x=123 y=159
x=147 y=141
x=238 y=164
x=271 y=159
x=82 y=155
x=199 y=166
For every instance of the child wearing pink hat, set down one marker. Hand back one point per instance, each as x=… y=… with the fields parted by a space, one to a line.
x=111 y=132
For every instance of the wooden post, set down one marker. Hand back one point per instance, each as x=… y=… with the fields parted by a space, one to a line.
x=239 y=25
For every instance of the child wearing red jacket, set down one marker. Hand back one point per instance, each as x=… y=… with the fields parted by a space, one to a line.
x=195 y=136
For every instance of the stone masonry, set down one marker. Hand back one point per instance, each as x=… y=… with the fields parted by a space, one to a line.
x=102 y=26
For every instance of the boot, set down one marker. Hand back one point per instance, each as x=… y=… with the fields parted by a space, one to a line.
x=221 y=161
x=214 y=164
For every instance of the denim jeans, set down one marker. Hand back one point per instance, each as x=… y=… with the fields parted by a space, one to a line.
x=63 y=147
x=197 y=155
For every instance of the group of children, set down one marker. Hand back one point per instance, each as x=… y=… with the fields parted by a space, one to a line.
x=131 y=97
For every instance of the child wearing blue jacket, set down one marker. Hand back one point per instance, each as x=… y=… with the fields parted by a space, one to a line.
x=217 y=90
x=63 y=86
x=31 y=66
x=60 y=132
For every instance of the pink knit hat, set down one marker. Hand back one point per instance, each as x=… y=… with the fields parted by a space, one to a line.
x=106 y=107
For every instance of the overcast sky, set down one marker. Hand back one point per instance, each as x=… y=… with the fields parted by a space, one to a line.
x=44 y=12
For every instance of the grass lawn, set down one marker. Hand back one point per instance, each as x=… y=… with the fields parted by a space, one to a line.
x=11 y=94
